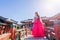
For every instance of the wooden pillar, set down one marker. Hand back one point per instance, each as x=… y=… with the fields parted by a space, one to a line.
x=0 y=30
x=12 y=30
x=6 y=28
x=26 y=31
x=57 y=32
x=13 y=33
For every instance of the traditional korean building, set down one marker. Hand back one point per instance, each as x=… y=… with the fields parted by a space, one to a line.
x=57 y=16
x=6 y=23
x=55 y=19
x=27 y=23
x=7 y=28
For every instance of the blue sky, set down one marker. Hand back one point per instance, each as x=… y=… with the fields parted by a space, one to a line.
x=24 y=9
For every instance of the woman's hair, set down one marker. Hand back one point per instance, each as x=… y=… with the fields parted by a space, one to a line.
x=36 y=13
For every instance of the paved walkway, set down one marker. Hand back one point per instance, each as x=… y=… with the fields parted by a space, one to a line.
x=32 y=38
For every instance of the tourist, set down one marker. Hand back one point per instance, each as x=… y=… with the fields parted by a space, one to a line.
x=38 y=27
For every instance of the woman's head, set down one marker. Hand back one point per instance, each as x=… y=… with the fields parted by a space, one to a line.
x=36 y=14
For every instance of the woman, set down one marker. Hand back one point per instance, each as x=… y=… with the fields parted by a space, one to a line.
x=38 y=28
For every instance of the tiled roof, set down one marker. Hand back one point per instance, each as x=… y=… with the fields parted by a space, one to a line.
x=3 y=19
x=57 y=16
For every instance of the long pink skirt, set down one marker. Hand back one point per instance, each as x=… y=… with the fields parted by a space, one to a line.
x=38 y=29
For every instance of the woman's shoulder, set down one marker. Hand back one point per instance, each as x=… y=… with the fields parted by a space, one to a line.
x=36 y=17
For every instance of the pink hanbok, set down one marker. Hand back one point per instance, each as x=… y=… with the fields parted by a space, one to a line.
x=38 y=28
